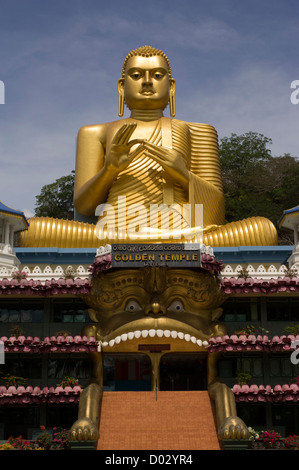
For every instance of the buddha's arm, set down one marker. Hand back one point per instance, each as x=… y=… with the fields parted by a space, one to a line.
x=96 y=170
x=92 y=181
x=205 y=183
x=211 y=198
x=198 y=189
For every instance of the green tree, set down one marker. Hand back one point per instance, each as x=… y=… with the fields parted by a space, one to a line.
x=256 y=183
x=243 y=163
x=56 y=199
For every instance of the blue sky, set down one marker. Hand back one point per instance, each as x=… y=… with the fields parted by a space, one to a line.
x=60 y=60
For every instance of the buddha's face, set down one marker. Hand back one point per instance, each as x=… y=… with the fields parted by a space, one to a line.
x=147 y=83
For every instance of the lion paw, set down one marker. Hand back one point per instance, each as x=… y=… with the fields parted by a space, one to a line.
x=84 y=430
x=233 y=428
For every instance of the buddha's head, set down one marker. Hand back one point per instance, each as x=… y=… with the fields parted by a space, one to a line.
x=146 y=82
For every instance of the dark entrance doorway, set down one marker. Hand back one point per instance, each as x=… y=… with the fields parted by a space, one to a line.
x=183 y=372
x=127 y=372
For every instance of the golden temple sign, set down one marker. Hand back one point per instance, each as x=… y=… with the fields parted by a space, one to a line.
x=177 y=255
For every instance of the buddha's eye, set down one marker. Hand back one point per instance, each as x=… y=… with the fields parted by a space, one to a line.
x=176 y=306
x=135 y=75
x=158 y=75
x=133 y=306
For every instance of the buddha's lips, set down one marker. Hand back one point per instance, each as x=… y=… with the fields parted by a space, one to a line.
x=147 y=92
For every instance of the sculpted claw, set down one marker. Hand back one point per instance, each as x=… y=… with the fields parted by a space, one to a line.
x=233 y=428
x=84 y=430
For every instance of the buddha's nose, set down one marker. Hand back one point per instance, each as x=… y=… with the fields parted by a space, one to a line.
x=147 y=80
x=155 y=308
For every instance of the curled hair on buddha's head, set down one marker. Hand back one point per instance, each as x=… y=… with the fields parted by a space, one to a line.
x=146 y=51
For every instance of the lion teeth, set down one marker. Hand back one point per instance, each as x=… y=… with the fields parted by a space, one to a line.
x=152 y=333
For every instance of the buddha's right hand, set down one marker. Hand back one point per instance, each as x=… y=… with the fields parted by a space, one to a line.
x=119 y=156
x=84 y=430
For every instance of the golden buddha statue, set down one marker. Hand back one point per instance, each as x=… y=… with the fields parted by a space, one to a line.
x=147 y=160
x=131 y=166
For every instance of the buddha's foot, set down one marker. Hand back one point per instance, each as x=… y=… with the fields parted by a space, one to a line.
x=254 y=231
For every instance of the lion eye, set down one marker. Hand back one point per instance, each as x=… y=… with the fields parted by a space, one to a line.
x=133 y=306
x=176 y=306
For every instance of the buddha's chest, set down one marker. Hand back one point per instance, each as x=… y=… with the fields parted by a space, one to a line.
x=147 y=131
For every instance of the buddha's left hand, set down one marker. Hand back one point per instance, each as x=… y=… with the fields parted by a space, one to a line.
x=170 y=160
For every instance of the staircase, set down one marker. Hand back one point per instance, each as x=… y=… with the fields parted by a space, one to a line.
x=162 y=421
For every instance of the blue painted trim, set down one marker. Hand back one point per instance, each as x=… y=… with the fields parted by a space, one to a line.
x=56 y=255
x=9 y=210
x=254 y=254
x=288 y=214
x=240 y=254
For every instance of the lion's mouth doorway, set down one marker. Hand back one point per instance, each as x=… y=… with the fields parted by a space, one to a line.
x=183 y=372
x=133 y=372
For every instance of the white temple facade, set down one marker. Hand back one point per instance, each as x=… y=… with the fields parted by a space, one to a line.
x=11 y=222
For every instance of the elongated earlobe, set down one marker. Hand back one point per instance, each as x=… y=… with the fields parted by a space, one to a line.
x=172 y=98
x=121 y=105
x=121 y=97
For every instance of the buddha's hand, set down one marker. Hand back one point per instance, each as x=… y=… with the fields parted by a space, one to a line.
x=84 y=430
x=233 y=428
x=120 y=155
x=171 y=161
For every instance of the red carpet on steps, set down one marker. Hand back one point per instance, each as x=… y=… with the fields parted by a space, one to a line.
x=162 y=421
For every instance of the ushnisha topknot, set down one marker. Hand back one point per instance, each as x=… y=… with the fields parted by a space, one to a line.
x=146 y=51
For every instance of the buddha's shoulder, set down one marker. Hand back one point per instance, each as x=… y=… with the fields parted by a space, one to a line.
x=103 y=128
x=195 y=126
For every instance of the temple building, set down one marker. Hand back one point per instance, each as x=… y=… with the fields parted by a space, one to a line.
x=43 y=311
x=148 y=322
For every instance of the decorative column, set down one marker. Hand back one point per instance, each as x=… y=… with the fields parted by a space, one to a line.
x=11 y=221
x=6 y=233
x=290 y=221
